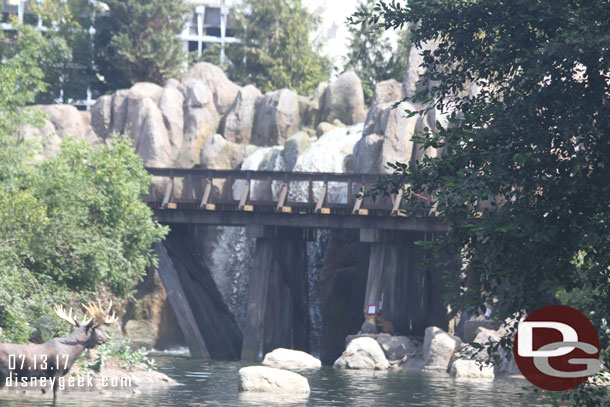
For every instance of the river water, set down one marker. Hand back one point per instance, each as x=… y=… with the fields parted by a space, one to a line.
x=215 y=384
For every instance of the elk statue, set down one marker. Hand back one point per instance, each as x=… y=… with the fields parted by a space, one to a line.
x=53 y=359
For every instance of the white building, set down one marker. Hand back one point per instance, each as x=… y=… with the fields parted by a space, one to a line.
x=209 y=24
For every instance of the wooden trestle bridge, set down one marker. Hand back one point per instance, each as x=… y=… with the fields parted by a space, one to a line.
x=281 y=222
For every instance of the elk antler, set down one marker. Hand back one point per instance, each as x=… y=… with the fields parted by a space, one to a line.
x=101 y=317
x=61 y=312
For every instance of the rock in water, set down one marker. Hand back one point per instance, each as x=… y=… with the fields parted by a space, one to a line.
x=269 y=379
x=470 y=369
x=439 y=347
x=282 y=358
x=396 y=347
x=344 y=100
x=362 y=353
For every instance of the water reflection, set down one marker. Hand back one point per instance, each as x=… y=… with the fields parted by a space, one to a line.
x=215 y=384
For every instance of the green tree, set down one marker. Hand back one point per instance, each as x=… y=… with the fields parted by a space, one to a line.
x=74 y=221
x=67 y=62
x=138 y=41
x=523 y=176
x=371 y=55
x=275 y=51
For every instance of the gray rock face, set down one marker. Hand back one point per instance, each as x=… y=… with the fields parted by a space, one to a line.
x=470 y=369
x=396 y=347
x=309 y=111
x=324 y=127
x=389 y=91
x=439 y=347
x=220 y=154
x=291 y=359
x=362 y=353
x=119 y=110
x=101 y=116
x=276 y=119
x=269 y=379
x=134 y=116
x=152 y=140
x=293 y=147
x=237 y=125
x=471 y=327
x=344 y=100
x=200 y=122
x=223 y=90
x=367 y=154
x=171 y=105
x=412 y=83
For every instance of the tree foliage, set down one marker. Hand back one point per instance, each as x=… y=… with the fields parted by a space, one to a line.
x=275 y=51
x=371 y=54
x=138 y=41
x=523 y=174
x=74 y=221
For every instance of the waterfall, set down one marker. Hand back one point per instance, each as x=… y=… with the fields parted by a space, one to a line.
x=232 y=253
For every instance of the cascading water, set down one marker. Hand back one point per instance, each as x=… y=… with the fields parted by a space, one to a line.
x=233 y=252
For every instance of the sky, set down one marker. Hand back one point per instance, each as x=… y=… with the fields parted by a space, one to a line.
x=333 y=27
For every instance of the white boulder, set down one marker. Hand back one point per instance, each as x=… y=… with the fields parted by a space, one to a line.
x=439 y=347
x=269 y=379
x=282 y=358
x=362 y=353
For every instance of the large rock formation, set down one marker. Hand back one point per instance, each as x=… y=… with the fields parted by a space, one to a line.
x=277 y=118
x=237 y=125
x=149 y=320
x=344 y=100
x=223 y=90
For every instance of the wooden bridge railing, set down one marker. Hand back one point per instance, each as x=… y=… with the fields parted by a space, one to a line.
x=206 y=189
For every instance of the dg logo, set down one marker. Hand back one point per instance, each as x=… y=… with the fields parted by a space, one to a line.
x=556 y=348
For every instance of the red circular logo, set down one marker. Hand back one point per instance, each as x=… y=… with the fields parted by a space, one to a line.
x=556 y=348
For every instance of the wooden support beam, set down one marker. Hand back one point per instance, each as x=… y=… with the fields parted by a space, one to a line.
x=207 y=190
x=244 y=196
x=282 y=198
x=358 y=203
x=169 y=189
x=178 y=301
x=396 y=202
x=322 y=198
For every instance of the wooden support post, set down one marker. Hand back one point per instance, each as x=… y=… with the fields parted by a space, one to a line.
x=207 y=190
x=282 y=198
x=244 y=196
x=322 y=198
x=310 y=191
x=169 y=189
